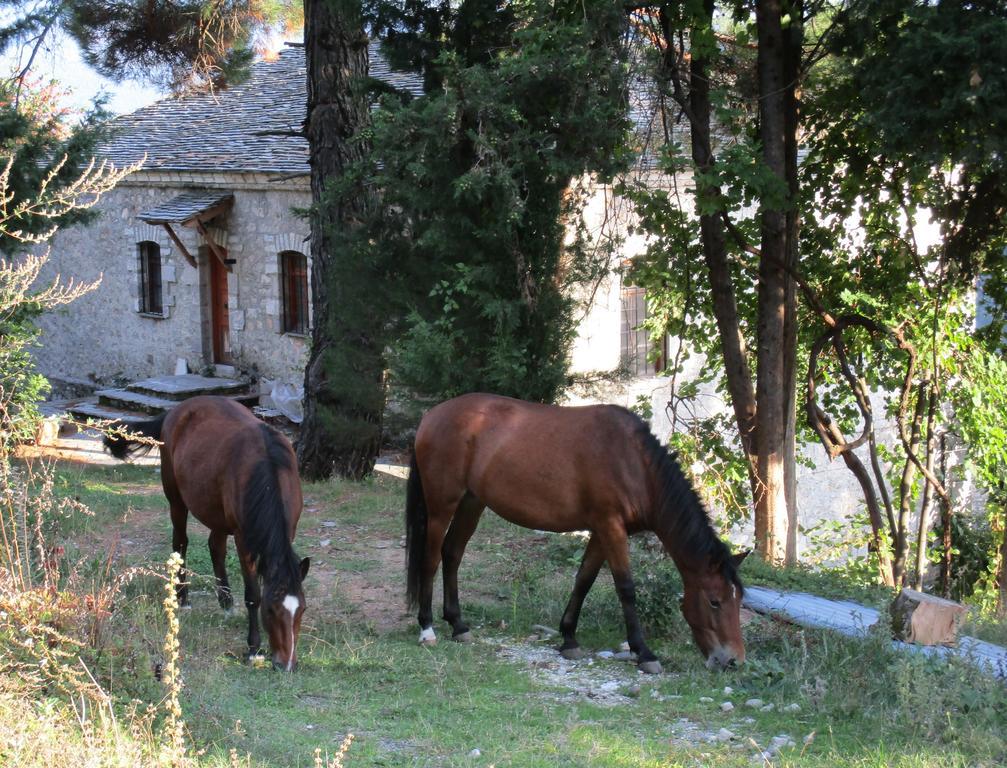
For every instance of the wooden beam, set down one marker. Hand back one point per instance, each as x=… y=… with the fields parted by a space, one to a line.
x=180 y=244
x=214 y=248
x=210 y=213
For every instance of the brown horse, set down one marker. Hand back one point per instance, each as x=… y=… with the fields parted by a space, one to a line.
x=238 y=476
x=551 y=468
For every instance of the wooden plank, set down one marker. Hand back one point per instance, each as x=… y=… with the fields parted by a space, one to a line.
x=214 y=248
x=180 y=244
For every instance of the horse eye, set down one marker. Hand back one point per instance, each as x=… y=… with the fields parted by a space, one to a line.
x=715 y=604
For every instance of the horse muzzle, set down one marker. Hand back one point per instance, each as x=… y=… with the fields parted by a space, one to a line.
x=284 y=666
x=721 y=658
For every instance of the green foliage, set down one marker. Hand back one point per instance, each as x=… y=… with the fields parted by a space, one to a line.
x=478 y=179
x=41 y=156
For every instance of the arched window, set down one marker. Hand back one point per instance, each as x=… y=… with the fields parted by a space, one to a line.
x=294 y=290
x=151 y=302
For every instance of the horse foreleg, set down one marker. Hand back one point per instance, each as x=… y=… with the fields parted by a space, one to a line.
x=218 y=554
x=590 y=564
x=253 y=597
x=180 y=543
x=464 y=524
x=616 y=548
x=435 y=538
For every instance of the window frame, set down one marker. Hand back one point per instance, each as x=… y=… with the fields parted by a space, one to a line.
x=151 y=280
x=294 y=309
x=635 y=342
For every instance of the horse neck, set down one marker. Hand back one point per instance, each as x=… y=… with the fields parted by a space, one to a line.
x=681 y=524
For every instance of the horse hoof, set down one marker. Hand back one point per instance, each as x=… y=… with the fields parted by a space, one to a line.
x=464 y=637
x=428 y=642
x=427 y=637
x=573 y=654
x=651 y=667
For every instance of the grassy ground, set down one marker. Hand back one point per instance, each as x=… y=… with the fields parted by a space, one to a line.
x=507 y=699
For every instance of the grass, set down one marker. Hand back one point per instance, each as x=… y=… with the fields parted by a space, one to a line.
x=361 y=671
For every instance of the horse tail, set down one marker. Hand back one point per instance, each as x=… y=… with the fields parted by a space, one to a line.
x=416 y=533
x=123 y=443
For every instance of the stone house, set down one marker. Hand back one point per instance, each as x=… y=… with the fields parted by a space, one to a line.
x=201 y=254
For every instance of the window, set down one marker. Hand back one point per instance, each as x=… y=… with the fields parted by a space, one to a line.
x=637 y=345
x=294 y=288
x=150 y=278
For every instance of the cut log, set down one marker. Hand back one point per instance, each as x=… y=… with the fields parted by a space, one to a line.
x=924 y=619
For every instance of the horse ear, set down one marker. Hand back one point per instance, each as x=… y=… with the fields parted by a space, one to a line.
x=305 y=563
x=739 y=558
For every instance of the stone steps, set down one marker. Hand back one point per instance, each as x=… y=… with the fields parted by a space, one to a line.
x=151 y=397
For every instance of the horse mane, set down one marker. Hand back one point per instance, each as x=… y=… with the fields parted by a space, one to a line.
x=680 y=515
x=265 y=516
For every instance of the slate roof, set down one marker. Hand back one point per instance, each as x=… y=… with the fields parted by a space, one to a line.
x=218 y=132
x=185 y=206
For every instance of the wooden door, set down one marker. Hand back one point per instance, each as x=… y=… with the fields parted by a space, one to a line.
x=219 y=323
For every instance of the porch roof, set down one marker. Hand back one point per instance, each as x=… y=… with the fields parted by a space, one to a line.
x=198 y=204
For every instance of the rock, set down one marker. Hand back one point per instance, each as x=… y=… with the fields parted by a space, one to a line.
x=324 y=542
x=725 y=735
x=705 y=700
x=624 y=646
x=728 y=690
x=328 y=524
x=792 y=708
x=475 y=753
x=754 y=703
x=543 y=630
x=767 y=708
x=726 y=706
x=633 y=691
x=782 y=740
x=625 y=656
x=604 y=654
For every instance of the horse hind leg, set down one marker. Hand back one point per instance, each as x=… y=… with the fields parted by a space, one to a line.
x=463 y=525
x=432 y=559
x=218 y=555
x=590 y=564
x=180 y=544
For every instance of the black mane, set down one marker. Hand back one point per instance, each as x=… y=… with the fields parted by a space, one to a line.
x=265 y=517
x=680 y=515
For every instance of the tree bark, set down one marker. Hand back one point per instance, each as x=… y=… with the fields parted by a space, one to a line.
x=771 y=384
x=713 y=238
x=344 y=379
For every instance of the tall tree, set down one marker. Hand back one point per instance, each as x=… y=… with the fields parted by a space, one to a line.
x=344 y=379
x=706 y=71
x=480 y=187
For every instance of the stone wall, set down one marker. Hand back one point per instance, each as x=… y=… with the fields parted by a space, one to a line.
x=104 y=336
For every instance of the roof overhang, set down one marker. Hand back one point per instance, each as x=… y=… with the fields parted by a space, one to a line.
x=192 y=209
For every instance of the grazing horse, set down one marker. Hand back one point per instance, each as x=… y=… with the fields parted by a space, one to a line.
x=552 y=468
x=238 y=476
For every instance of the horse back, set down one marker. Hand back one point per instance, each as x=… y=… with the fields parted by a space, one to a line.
x=213 y=449
x=542 y=466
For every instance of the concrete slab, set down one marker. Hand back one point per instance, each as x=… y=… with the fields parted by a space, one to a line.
x=854 y=620
x=126 y=400
x=187 y=385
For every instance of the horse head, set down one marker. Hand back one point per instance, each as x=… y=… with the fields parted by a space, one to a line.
x=711 y=605
x=281 y=610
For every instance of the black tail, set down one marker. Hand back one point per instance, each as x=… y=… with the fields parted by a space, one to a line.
x=123 y=447
x=416 y=533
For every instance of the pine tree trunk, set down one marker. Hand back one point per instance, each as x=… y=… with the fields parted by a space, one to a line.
x=344 y=380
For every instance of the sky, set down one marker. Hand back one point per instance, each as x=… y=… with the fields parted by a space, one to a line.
x=60 y=59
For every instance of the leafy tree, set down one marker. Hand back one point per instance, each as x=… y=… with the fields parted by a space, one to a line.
x=45 y=182
x=479 y=183
x=891 y=169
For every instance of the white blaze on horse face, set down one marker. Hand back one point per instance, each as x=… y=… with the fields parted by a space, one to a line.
x=427 y=635
x=291 y=603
